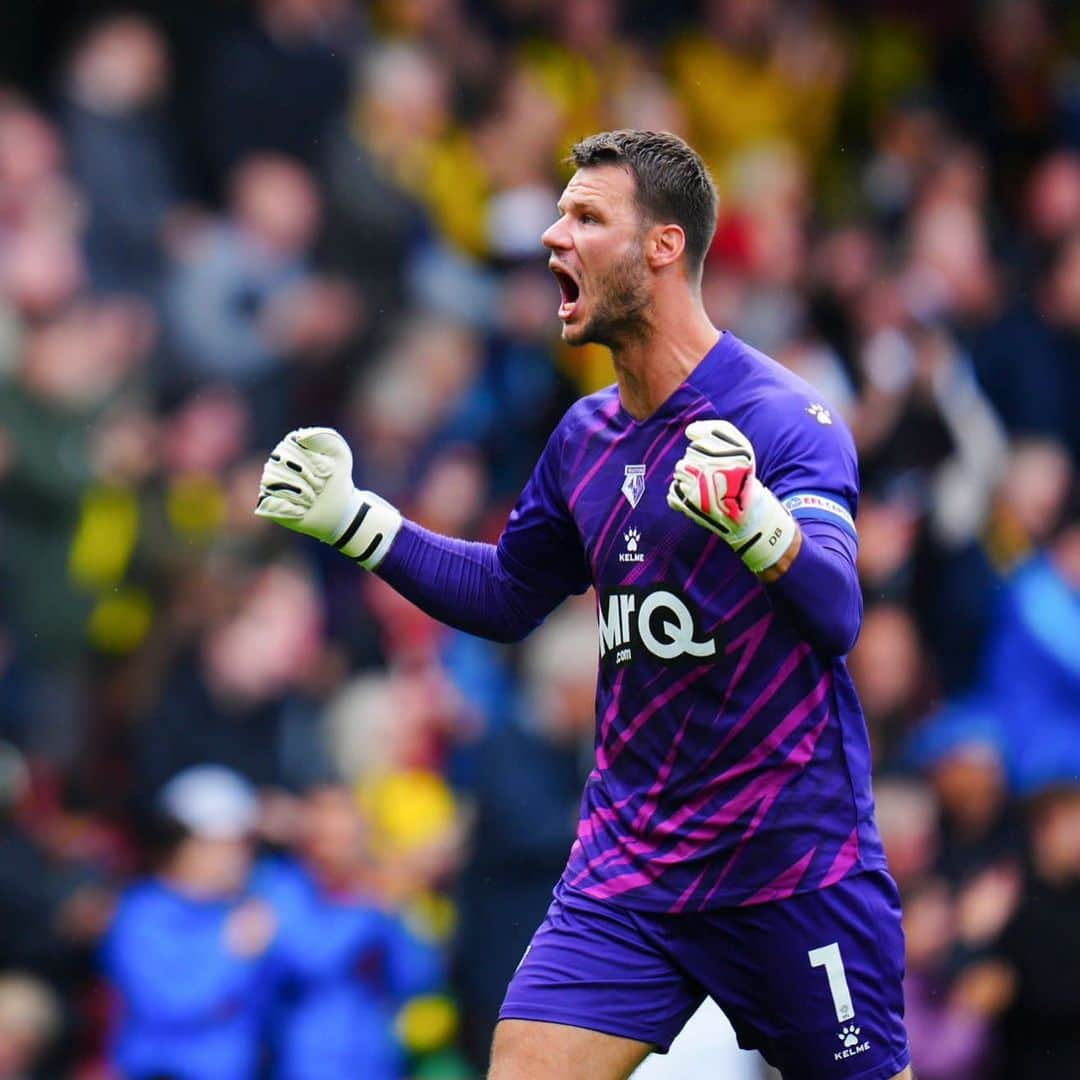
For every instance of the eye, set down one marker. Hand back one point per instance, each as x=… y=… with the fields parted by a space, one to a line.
x=588 y=219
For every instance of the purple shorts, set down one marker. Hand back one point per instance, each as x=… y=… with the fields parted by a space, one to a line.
x=814 y=981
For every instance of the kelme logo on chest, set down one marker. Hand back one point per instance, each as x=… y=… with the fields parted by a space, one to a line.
x=657 y=620
x=633 y=485
x=632 y=541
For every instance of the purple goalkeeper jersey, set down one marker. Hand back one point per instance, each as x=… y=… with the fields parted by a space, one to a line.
x=732 y=759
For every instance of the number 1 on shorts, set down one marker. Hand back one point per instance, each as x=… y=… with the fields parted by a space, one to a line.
x=828 y=957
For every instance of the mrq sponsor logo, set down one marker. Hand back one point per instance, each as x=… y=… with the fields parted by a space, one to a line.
x=659 y=621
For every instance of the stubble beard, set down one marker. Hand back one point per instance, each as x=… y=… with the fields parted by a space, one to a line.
x=623 y=307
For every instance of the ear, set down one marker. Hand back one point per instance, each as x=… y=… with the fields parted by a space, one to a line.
x=664 y=245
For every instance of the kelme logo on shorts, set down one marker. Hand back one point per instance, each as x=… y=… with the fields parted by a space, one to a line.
x=849 y=1036
x=658 y=620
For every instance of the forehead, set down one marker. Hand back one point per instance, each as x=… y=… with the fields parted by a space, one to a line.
x=610 y=186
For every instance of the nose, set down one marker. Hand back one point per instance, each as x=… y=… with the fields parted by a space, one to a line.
x=556 y=235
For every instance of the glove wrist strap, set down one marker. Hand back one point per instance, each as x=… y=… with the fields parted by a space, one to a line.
x=367 y=529
x=765 y=538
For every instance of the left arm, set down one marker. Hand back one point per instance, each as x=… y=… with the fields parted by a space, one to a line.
x=820 y=586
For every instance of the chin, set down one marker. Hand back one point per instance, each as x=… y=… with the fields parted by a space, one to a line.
x=572 y=335
x=577 y=334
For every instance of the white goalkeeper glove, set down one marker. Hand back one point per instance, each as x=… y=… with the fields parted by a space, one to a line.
x=307 y=487
x=716 y=486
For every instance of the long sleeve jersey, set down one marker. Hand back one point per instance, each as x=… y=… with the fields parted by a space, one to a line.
x=732 y=758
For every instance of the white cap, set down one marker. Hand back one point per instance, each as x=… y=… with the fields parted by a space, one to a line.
x=211 y=801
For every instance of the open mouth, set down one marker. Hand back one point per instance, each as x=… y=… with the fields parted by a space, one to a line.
x=570 y=289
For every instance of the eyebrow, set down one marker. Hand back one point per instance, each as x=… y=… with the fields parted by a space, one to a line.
x=587 y=203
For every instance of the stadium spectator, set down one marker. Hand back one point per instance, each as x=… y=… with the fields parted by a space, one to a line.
x=54 y=904
x=34 y=188
x=187 y=952
x=949 y=1038
x=376 y=156
x=1031 y=669
x=273 y=81
x=1052 y=201
x=30 y=1020
x=346 y=965
x=1027 y=978
x=785 y=65
x=524 y=802
x=237 y=696
x=58 y=563
x=1042 y=396
x=890 y=669
x=243 y=298
x=123 y=151
x=959 y=572
x=961 y=751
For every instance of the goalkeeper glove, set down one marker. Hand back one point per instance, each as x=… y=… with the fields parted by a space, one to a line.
x=307 y=487
x=716 y=486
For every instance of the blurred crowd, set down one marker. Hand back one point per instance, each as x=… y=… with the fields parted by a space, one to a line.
x=258 y=815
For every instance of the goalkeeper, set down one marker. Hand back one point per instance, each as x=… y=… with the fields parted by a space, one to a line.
x=726 y=844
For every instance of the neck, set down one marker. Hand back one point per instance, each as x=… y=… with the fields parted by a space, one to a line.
x=652 y=367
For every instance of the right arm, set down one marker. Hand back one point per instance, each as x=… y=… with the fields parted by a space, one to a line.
x=498 y=591
x=466 y=585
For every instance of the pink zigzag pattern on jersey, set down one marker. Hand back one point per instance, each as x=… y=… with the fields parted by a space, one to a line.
x=762 y=808
x=796 y=760
x=605 y=815
x=765 y=793
x=684 y=896
x=799 y=756
x=644 y=811
x=617 y=855
x=768 y=745
x=846 y=858
x=706 y=552
x=659 y=561
x=783 y=673
x=608 y=718
x=751 y=640
x=657 y=864
x=743 y=601
x=587 y=826
x=784 y=884
x=692 y=676
x=752 y=637
x=772 y=741
x=583 y=483
x=594 y=427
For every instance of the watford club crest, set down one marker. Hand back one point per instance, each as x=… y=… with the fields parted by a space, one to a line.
x=633 y=485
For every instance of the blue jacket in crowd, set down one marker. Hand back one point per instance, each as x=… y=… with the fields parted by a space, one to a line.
x=344 y=967
x=1032 y=675
x=189 y=1008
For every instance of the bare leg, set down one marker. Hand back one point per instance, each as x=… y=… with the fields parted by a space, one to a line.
x=533 y=1050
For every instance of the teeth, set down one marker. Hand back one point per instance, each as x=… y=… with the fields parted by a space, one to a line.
x=571 y=293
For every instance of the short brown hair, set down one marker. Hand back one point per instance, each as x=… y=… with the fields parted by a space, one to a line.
x=672 y=181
